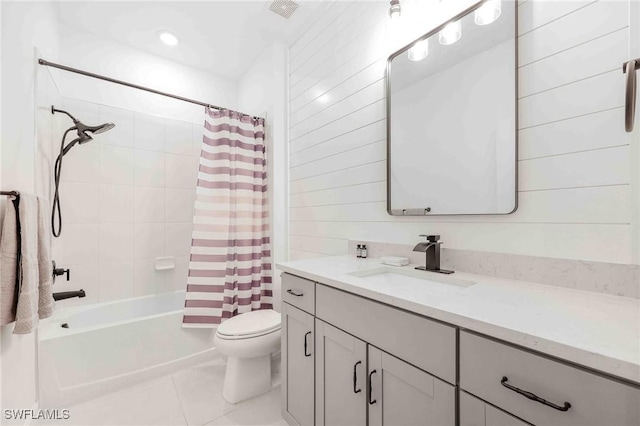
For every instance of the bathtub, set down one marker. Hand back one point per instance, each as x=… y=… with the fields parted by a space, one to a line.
x=107 y=346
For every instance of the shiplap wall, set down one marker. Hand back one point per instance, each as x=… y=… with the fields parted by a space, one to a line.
x=574 y=157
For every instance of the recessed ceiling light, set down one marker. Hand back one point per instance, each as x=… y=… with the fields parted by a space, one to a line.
x=167 y=37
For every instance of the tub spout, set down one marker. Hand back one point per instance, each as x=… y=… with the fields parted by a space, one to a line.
x=68 y=294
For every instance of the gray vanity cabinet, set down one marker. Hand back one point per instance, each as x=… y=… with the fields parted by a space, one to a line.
x=341 y=377
x=297 y=366
x=401 y=394
x=348 y=375
x=507 y=377
x=475 y=412
x=391 y=391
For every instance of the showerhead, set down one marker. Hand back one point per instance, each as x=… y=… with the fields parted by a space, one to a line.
x=96 y=130
x=84 y=135
x=82 y=130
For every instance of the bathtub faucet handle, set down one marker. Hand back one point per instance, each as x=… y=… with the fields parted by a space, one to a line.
x=60 y=271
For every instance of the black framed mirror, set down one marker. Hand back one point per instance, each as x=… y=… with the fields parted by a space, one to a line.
x=452 y=117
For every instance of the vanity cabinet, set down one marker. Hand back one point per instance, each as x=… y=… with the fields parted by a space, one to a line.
x=475 y=412
x=568 y=396
x=354 y=379
x=429 y=345
x=341 y=377
x=401 y=394
x=298 y=362
x=350 y=360
x=374 y=364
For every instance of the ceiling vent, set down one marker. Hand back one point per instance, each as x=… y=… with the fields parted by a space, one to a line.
x=284 y=8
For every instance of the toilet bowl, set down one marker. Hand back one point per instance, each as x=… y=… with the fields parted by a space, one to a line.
x=248 y=340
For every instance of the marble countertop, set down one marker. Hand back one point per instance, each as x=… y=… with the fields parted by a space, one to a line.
x=595 y=330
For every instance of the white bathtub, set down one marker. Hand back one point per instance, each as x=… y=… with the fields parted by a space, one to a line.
x=111 y=345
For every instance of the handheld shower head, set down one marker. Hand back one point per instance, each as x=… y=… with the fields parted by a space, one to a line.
x=84 y=135
x=82 y=129
x=96 y=130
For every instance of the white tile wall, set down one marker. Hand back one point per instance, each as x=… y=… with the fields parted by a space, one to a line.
x=149 y=168
x=116 y=165
x=149 y=204
x=127 y=198
x=115 y=203
x=149 y=241
x=149 y=132
x=575 y=183
x=122 y=134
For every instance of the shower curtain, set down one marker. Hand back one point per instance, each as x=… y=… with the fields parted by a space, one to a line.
x=230 y=263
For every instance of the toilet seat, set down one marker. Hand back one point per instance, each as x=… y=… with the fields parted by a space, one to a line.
x=249 y=325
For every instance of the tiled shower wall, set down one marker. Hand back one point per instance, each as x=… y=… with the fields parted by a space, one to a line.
x=127 y=198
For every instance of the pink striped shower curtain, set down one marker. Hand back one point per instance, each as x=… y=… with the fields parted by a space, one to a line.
x=230 y=264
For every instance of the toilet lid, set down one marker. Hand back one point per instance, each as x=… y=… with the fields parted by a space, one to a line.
x=254 y=323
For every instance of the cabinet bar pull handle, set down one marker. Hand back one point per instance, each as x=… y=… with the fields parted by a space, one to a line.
x=371 y=388
x=305 y=343
x=293 y=293
x=533 y=396
x=355 y=378
x=630 y=68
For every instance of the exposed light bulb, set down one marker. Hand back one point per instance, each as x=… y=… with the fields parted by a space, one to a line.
x=450 y=33
x=394 y=9
x=488 y=12
x=419 y=50
x=167 y=37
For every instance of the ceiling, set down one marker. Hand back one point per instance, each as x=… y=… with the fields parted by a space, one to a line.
x=222 y=37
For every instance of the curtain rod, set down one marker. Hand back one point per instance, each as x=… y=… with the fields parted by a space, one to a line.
x=134 y=86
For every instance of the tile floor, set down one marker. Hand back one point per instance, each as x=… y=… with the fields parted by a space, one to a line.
x=188 y=397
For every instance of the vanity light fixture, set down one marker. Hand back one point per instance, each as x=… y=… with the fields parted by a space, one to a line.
x=419 y=50
x=488 y=12
x=450 y=33
x=167 y=37
x=394 y=9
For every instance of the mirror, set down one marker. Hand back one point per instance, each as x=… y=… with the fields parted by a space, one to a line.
x=452 y=115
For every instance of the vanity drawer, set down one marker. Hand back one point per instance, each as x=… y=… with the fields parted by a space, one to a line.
x=299 y=292
x=427 y=344
x=475 y=412
x=595 y=400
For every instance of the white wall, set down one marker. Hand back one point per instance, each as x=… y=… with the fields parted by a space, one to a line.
x=575 y=184
x=262 y=92
x=106 y=57
x=25 y=26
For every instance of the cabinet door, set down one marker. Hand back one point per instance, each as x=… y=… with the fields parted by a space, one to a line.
x=297 y=366
x=401 y=394
x=475 y=412
x=341 y=377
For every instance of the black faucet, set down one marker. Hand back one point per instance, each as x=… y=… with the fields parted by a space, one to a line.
x=68 y=294
x=431 y=249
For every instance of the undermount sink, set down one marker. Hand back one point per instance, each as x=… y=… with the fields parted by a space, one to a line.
x=394 y=276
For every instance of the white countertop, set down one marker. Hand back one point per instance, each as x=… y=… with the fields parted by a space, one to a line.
x=599 y=331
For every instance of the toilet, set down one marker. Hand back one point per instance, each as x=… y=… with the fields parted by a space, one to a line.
x=248 y=341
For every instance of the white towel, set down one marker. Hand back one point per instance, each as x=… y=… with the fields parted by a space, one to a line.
x=8 y=265
x=45 y=264
x=35 y=299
